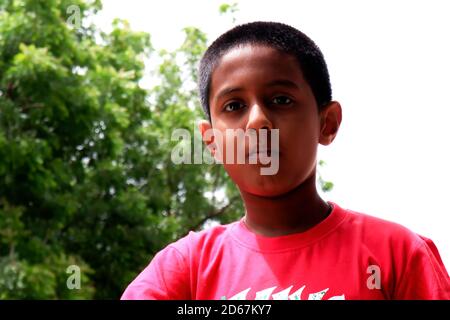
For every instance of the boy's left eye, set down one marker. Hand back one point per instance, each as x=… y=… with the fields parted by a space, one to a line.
x=281 y=100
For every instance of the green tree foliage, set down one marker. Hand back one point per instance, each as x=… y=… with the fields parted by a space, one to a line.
x=86 y=176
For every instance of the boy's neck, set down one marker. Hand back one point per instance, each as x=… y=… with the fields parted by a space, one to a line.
x=296 y=211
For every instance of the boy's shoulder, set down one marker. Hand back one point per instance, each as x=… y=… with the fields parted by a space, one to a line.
x=199 y=241
x=370 y=228
x=388 y=240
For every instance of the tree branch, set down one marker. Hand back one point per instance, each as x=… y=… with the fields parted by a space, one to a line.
x=213 y=214
x=32 y=106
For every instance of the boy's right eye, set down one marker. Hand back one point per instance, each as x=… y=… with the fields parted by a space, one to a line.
x=233 y=106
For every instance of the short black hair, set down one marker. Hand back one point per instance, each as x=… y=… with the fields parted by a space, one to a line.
x=279 y=36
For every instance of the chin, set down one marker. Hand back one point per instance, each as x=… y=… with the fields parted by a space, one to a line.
x=272 y=186
x=268 y=188
x=251 y=181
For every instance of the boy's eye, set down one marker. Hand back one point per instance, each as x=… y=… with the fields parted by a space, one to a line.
x=233 y=106
x=281 y=100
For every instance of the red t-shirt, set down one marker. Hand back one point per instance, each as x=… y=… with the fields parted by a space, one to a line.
x=348 y=255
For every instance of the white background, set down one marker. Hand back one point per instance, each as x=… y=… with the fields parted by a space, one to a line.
x=389 y=63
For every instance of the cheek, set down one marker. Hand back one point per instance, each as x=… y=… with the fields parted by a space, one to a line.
x=227 y=146
x=299 y=142
x=301 y=160
x=301 y=130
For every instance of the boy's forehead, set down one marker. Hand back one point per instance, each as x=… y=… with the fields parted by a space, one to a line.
x=257 y=61
x=250 y=52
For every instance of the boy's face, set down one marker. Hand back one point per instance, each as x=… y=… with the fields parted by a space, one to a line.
x=256 y=87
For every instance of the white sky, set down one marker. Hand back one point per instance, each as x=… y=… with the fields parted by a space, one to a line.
x=389 y=66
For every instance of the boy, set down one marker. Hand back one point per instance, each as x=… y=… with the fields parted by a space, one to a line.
x=290 y=244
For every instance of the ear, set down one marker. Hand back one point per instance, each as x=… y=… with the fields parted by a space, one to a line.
x=330 y=121
x=205 y=126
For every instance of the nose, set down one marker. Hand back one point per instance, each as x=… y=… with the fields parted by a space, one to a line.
x=258 y=118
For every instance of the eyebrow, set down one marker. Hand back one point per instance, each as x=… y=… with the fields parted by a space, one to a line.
x=279 y=82
x=283 y=82
x=226 y=91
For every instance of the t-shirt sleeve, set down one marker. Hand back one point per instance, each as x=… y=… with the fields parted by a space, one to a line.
x=165 y=278
x=425 y=276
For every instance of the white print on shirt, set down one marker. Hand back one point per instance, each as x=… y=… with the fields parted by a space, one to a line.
x=265 y=294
